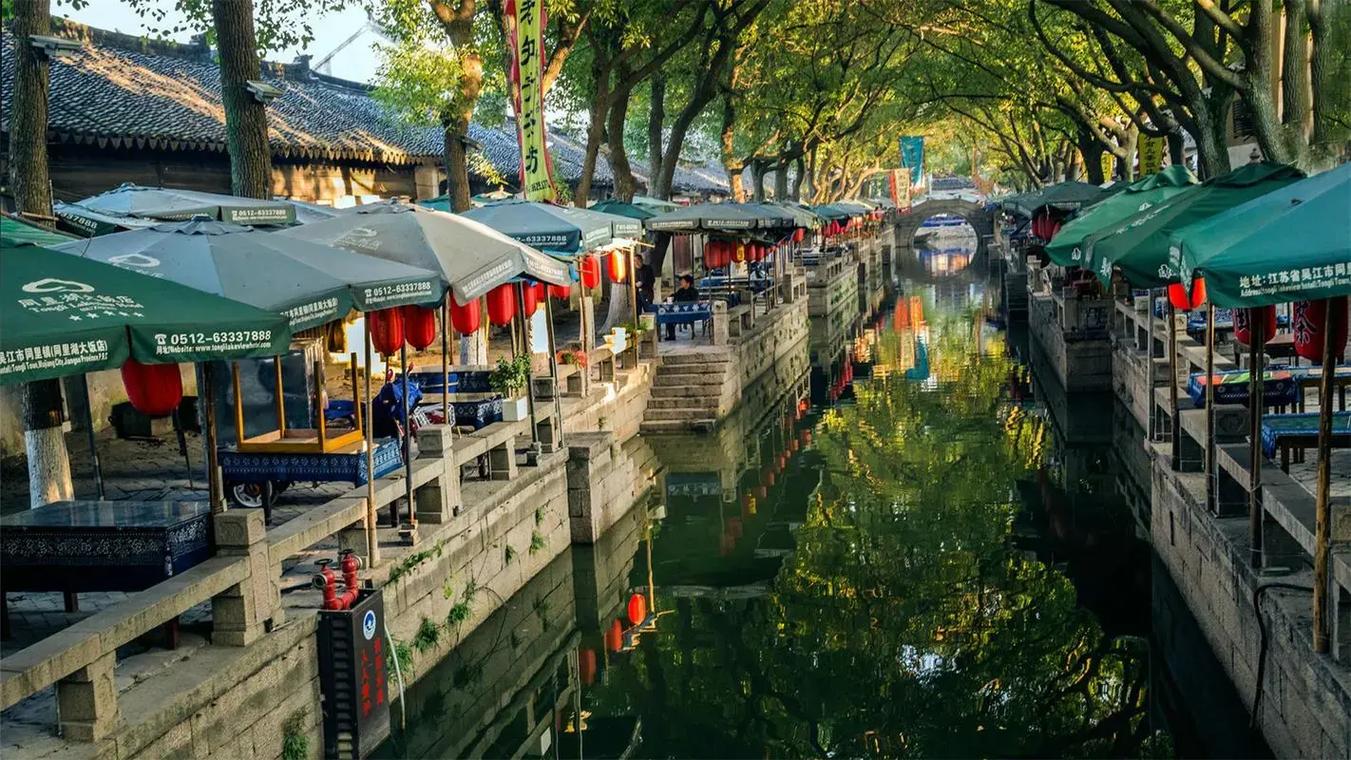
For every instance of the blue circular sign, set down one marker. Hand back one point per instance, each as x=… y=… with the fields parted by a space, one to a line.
x=368 y=624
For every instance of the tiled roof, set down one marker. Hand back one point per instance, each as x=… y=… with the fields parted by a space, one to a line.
x=126 y=92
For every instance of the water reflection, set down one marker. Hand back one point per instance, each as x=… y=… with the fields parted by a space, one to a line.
x=926 y=555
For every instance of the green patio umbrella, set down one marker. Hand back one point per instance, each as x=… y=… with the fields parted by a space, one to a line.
x=1066 y=248
x=705 y=217
x=802 y=216
x=86 y=222
x=1292 y=244
x=772 y=216
x=65 y=315
x=620 y=208
x=310 y=284
x=16 y=231
x=1070 y=194
x=470 y=257
x=656 y=205
x=559 y=229
x=1138 y=245
x=832 y=211
x=170 y=204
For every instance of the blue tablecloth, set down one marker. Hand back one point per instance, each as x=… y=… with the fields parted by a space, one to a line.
x=1278 y=426
x=1224 y=320
x=254 y=467
x=685 y=313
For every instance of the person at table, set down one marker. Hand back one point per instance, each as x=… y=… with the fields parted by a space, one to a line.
x=647 y=280
x=686 y=293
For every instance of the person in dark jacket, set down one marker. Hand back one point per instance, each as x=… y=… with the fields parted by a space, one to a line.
x=647 y=280
x=686 y=293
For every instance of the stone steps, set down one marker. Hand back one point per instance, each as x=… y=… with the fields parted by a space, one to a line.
x=678 y=426
x=712 y=392
x=679 y=415
x=694 y=358
x=678 y=402
x=669 y=379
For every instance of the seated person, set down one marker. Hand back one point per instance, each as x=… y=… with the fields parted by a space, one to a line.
x=686 y=293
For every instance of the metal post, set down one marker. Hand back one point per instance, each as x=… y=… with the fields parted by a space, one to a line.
x=372 y=518
x=1176 y=426
x=89 y=433
x=1322 y=508
x=1257 y=324
x=1149 y=359
x=445 y=365
x=407 y=443
x=553 y=370
x=529 y=382
x=214 y=489
x=1212 y=471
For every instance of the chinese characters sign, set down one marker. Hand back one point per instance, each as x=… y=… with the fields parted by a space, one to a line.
x=525 y=28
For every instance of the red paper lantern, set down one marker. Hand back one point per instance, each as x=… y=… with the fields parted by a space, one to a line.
x=799 y=234
x=618 y=265
x=502 y=304
x=1310 y=320
x=586 y=666
x=1180 y=299
x=589 y=269
x=530 y=299
x=561 y=292
x=154 y=390
x=637 y=608
x=466 y=318
x=419 y=326
x=614 y=637
x=386 y=330
x=1243 y=324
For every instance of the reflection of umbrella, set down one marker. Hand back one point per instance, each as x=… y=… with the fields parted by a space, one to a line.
x=470 y=257
x=170 y=204
x=1138 y=246
x=620 y=208
x=714 y=217
x=1299 y=228
x=64 y=315
x=563 y=229
x=87 y=222
x=1065 y=248
x=309 y=283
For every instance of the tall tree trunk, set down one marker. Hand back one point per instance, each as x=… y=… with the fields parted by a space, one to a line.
x=781 y=178
x=656 y=120
x=595 y=125
x=730 y=163
x=1258 y=88
x=1092 y=151
x=758 y=168
x=1296 y=99
x=457 y=163
x=796 y=192
x=1321 y=67
x=625 y=183
x=245 y=116
x=810 y=177
x=456 y=18
x=40 y=402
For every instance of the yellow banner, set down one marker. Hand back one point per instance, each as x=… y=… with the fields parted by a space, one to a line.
x=1151 y=155
x=526 y=19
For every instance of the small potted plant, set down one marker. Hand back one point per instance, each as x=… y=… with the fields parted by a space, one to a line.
x=509 y=379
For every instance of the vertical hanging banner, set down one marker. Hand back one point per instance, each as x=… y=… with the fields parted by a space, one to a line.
x=1151 y=154
x=525 y=34
x=912 y=157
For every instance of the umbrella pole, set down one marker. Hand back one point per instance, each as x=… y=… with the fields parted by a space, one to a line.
x=407 y=442
x=372 y=518
x=633 y=295
x=213 y=484
x=1258 y=325
x=445 y=365
x=89 y=433
x=553 y=371
x=529 y=380
x=1322 y=509
x=1212 y=473
x=1176 y=427
x=1149 y=356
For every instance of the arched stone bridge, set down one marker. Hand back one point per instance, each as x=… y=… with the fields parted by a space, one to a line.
x=907 y=262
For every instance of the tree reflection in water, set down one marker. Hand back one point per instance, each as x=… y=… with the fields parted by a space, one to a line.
x=905 y=622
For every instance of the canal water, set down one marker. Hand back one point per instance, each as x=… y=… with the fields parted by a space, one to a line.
x=931 y=551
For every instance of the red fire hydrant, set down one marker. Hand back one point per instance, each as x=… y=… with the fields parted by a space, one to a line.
x=327 y=582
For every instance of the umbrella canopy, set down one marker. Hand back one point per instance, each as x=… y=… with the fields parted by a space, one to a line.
x=705 y=217
x=311 y=212
x=470 y=257
x=832 y=211
x=656 y=205
x=1066 y=195
x=168 y=204
x=802 y=216
x=562 y=229
x=1290 y=244
x=310 y=284
x=1138 y=245
x=64 y=315
x=15 y=231
x=620 y=208
x=1066 y=248
x=86 y=222
x=771 y=215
